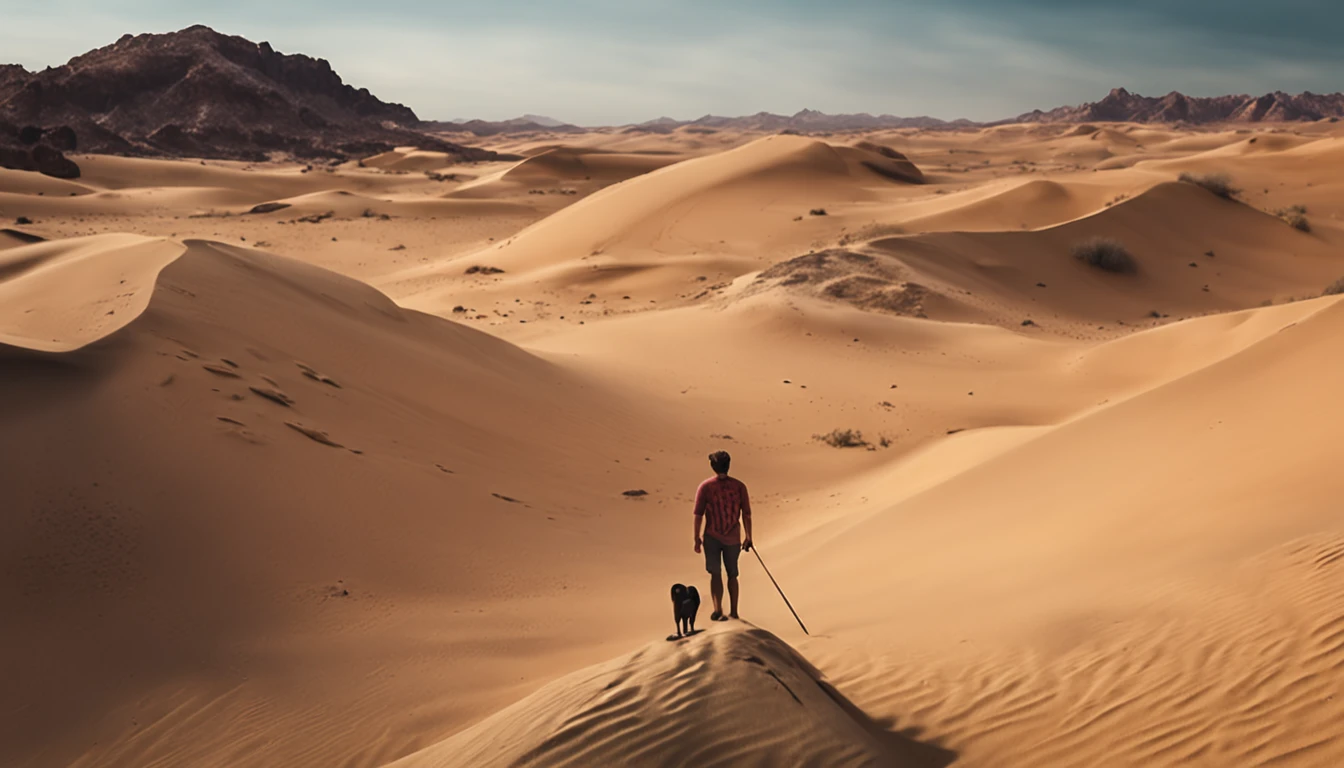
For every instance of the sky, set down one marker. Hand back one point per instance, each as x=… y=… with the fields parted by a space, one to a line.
x=611 y=62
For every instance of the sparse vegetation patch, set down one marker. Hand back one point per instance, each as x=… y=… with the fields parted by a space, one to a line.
x=843 y=438
x=1217 y=183
x=1296 y=216
x=1105 y=254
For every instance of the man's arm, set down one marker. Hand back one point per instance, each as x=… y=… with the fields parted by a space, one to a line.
x=746 y=518
x=699 y=515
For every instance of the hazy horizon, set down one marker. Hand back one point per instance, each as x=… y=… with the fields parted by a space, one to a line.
x=599 y=62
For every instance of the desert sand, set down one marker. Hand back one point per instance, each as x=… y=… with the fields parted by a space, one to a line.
x=326 y=465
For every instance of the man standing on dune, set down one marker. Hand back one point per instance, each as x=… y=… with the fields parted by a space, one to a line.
x=723 y=500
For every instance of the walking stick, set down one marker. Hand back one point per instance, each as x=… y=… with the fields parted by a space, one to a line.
x=757 y=553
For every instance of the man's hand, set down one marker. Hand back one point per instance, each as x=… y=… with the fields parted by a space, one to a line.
x=698 y=542
x=746 y=545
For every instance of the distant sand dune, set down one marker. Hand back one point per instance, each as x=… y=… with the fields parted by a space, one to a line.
x=564 y=170
x=60 y=296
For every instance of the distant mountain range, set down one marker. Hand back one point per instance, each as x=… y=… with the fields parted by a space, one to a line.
x=806 y=121
x=524 y=124
x=1122 y=106
x=1118 y=106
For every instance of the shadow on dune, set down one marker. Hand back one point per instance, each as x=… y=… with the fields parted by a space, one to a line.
x=903 y=745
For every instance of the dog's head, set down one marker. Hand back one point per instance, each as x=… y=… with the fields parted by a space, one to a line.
x=678 y=593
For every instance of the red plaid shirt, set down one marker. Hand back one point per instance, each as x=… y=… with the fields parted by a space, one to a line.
x=723 y=502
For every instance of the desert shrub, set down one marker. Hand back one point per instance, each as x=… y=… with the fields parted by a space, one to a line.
x=1335 y=288
x=1217 y=183
x=1108 y=255
x=1296 y=216
x=818 y=211
x=843 y=438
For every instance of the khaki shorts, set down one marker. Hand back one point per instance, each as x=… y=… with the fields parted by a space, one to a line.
x=715 y=551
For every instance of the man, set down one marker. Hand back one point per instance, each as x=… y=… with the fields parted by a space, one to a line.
x=723 y=500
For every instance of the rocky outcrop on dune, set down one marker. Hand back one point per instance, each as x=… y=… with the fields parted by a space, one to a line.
x=875 y=282
x=200 y=93
x=31 y=148
x=1122 y=106
x=735 y=696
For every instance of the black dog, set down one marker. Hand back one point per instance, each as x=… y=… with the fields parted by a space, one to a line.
x=685 y=604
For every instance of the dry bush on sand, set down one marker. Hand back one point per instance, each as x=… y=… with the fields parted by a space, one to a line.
x=1217 y=183
x=1296 y=216
x=843 y=438
x=1108 y=255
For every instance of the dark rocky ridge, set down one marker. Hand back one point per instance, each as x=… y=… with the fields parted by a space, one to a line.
x=200 y=93
x=804 y=121
x=1122 y=106
x=517 y=125
x=1118 y=106
x=31 y=148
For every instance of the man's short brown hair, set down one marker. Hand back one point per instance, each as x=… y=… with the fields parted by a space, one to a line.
x=719 y=461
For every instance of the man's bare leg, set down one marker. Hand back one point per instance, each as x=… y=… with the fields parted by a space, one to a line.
x=732 y=595
x=716 y=591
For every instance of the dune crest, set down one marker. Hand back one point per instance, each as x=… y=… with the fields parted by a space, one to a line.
x=729 y=696
x=60 y=296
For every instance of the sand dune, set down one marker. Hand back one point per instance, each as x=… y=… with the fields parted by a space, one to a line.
x=60 y=296
x=1171 y=229
x=663 y=705
x=564 y=171
x=267 y=513
x=655 y=234
x=1182 y=610
x=410 y=159
x=1019 y=205
x=703 y=196
x=211 y=512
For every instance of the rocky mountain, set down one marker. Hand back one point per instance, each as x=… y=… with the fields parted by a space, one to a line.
x=805 y=121
x=200 y=93
x=1122 y=106
x=549 y=122
x=524 y=124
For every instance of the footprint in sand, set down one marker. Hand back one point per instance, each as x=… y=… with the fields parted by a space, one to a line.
x=313 y=434
x=220 y=370
x=274 y=395
x=309 y=371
